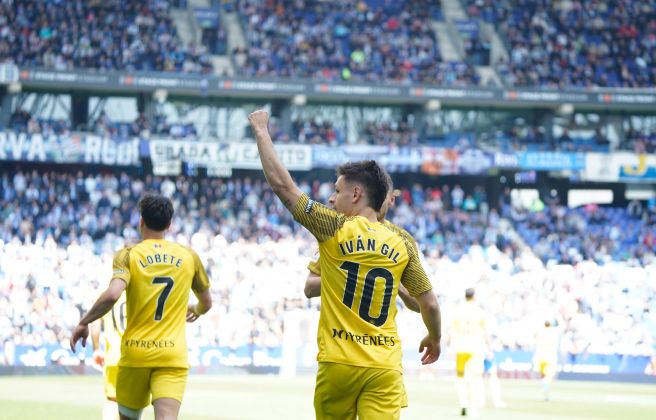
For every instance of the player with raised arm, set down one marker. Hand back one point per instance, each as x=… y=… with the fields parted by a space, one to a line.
x=112 y=325
x=157 y=276
x=362 y=264
x=313 y=281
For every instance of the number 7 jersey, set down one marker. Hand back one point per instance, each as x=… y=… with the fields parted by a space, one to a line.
x=362 y=264
x=159 y=276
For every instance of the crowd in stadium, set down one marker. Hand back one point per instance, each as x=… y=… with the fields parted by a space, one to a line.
x=551 y=44
x=104 y=35
x=59 y=231
x=575 y=42
x=351 y=40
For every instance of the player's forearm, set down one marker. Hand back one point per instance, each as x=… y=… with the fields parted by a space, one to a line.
x=430 y=313
x=204 y=302
x=103 y=305
x=275 y=172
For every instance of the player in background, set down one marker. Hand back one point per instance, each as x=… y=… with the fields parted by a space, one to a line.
x=313 y=281
x=545 y=358
x=112 y=325
x=470 y=340
x=360 y=372
x=157 y=276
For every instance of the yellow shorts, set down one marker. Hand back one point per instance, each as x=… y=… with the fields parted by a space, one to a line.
x=135 y=385
x=546 y=368
x=343 y=392
x=461 y=362
x=110 y=374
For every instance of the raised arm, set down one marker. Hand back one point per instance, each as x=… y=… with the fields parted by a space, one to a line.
x=277 y=175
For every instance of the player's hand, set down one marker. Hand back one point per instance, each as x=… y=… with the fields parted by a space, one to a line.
x=192 y=313
x=431 y=349
x=99 y=358
x=259 y=120
x=80 y=332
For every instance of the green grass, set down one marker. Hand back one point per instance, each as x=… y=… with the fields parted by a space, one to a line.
x=270 y=397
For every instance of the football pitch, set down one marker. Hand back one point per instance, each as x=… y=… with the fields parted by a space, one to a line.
x=270 y=397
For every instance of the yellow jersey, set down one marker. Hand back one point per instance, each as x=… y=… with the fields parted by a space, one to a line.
x=546 y=345
x=315 y=265
x=468 y=329
x=361 y=265
x=114 y=323
x=159 y=275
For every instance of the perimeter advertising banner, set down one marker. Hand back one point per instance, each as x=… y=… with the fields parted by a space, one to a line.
x=235 y=155
x=70 y=148
x=620 y=167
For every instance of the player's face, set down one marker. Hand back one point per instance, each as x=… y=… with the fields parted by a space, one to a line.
x=343 y=198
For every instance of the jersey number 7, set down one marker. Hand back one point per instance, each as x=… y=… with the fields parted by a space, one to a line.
x=166 y=291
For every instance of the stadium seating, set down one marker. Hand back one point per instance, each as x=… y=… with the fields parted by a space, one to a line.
x=351 y=40
x=104 y=35
x=575 y=43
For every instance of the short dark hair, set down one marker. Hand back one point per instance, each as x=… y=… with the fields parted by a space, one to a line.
x=469 y=293
x=371 y=176
x=156 y=211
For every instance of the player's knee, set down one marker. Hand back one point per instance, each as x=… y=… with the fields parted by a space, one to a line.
x=166 y=408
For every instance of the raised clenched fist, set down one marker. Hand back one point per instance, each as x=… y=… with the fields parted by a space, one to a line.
x=259 y=120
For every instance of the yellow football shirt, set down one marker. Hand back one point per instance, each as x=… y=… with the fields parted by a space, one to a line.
x=159 y=275
x=546 y=345
x=315 y=264
x=361 y=264
x=114 y=323
x=468 y=329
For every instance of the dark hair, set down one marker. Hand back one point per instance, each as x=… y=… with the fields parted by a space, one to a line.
x=388 y=179
x=371 y=176
x=156 y=211
x=469 y=293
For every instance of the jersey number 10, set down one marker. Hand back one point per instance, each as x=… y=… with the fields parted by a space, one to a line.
x=352 y=270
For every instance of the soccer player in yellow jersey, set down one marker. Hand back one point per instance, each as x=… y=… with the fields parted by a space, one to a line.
x=113 y=325
x=362 y=264
x=157 y=276
x=469 y=338
x=313 y=281
x=545 y=358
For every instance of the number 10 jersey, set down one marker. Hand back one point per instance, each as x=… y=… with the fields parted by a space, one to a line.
x=362 y=264
x=159 y=275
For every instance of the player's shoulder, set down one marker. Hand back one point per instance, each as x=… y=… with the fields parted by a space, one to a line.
x=398 y=230
x=123 y=254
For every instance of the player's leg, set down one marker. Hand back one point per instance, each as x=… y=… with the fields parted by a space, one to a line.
x=110 y=408
x=547 y=372
x=495 y=387
x=382 y=395
x=167 y=386
x=461 y=384
x=336 y=391
x=132 y=391
x=475 y=386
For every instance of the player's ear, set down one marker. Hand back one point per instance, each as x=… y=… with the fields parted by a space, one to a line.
x=357 y=193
